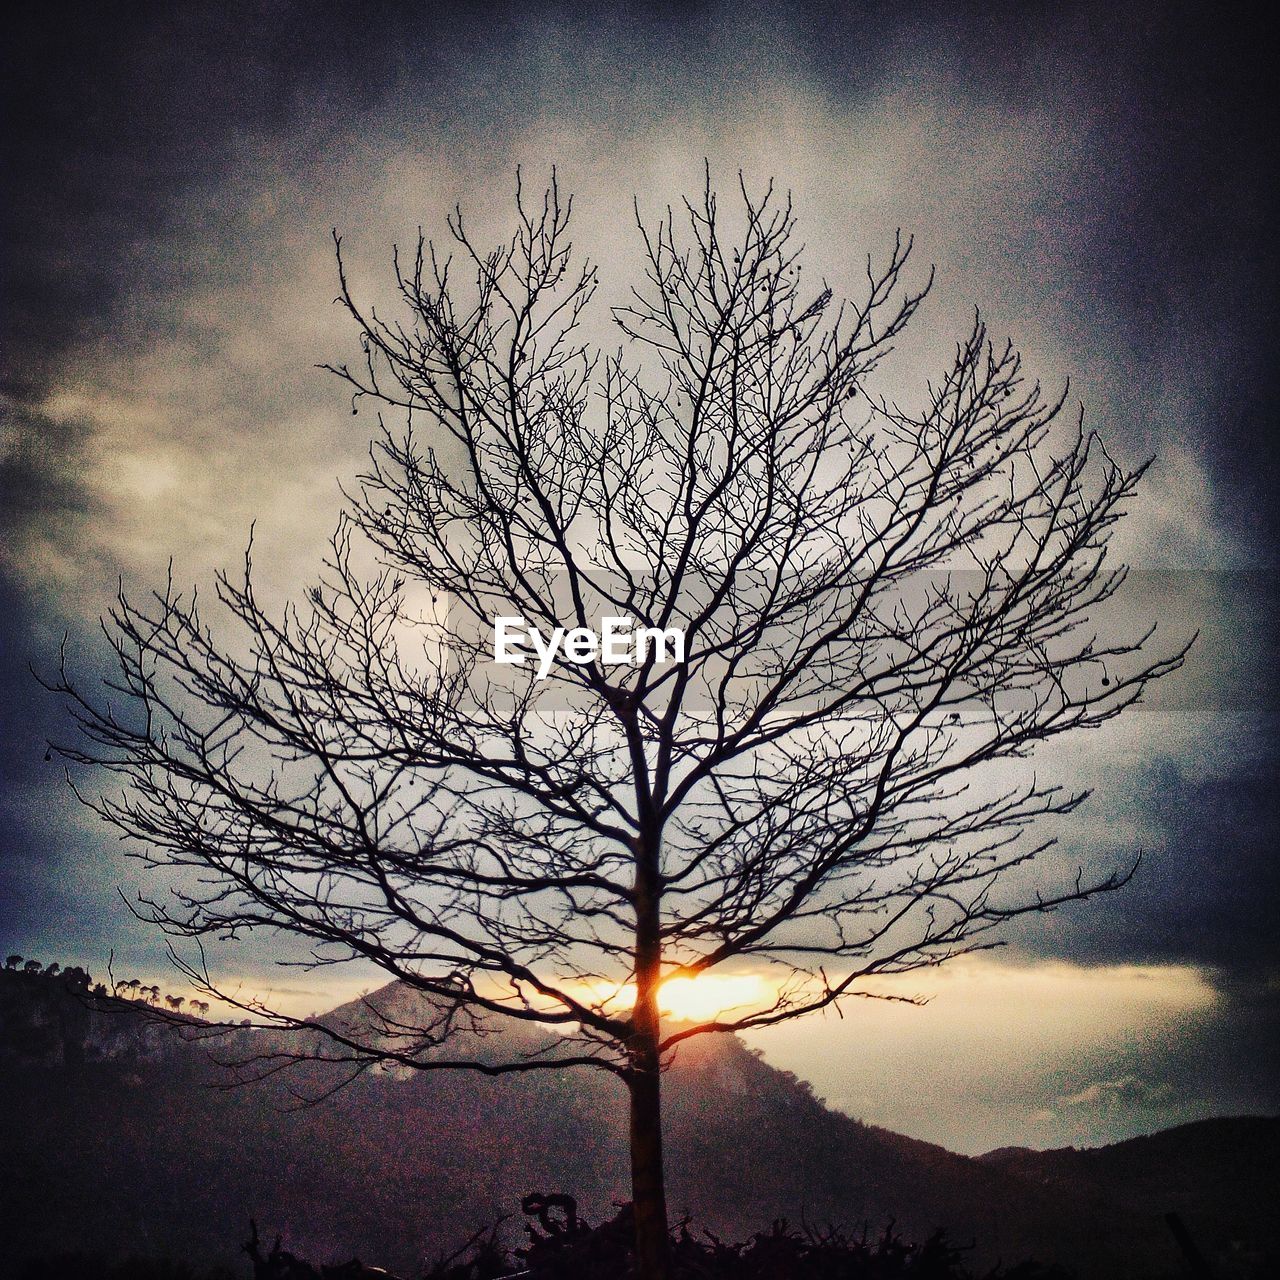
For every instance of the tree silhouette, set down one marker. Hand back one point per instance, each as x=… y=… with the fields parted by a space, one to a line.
x=77 y=979
x=884 y=609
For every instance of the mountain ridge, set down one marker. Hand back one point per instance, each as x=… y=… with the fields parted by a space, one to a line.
x=149 y=1150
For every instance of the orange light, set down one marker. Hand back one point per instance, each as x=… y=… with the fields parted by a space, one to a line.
x=713 y=995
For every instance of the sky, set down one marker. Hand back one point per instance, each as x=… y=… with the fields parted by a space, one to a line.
x=1095 y=177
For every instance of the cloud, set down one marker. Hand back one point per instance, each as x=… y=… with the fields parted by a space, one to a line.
x=48 y=509
x=998 y=1044
x=1127 y=1091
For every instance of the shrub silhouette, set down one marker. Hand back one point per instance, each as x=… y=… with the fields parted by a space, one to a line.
x=562 y=1247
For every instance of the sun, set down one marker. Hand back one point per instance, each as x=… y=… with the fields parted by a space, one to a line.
x=712 y=995
x=700 y=999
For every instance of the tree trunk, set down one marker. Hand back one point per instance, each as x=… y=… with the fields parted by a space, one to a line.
x=648 y=1183
x=644 y=1079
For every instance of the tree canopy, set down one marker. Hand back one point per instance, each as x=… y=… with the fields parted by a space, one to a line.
x=883 y=610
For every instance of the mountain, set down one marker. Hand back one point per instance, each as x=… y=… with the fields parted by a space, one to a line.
x=1218 y=1175
x=132 y=1143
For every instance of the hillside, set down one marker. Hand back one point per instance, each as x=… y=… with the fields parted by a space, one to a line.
x=1219 y=1175
x=132 y=1148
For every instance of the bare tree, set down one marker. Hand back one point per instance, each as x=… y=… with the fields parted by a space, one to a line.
x=883 y=611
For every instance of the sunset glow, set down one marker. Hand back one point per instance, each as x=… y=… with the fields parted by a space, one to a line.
x=700 y=999
x=714 y=995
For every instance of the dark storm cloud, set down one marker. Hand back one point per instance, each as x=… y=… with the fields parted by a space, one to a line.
x=112 y=112
x=41 y=476
x=1203 y=891
x=1158 y=253
x=114 y=115
x=1196 y=794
